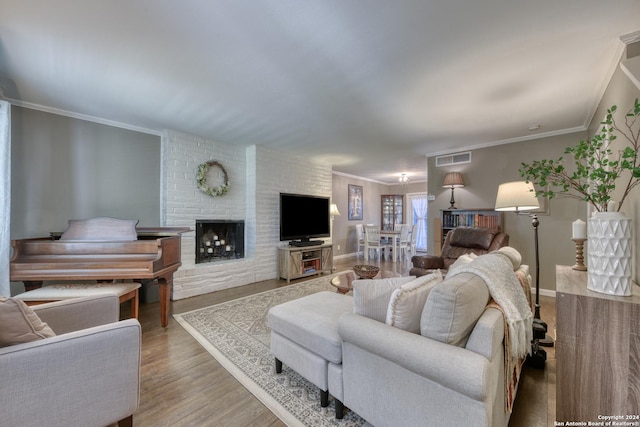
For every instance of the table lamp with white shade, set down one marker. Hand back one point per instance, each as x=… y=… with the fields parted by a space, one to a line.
x=333 y=211
x=453 y=180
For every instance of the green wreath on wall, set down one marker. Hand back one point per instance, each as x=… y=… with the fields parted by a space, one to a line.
x=201 y=178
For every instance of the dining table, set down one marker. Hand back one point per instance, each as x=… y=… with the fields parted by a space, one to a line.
x=394 y=235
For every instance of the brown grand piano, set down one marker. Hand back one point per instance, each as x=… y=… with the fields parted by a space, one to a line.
x=154 y=255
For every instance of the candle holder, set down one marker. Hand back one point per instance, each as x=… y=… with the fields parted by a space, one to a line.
x=579 y=255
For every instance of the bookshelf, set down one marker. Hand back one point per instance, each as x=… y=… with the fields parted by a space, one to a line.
x=454 y=218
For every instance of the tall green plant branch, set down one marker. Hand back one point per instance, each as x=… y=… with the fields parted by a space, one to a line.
x=595 y=173
x=632 y=159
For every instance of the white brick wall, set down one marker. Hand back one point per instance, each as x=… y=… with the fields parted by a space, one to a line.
x=257 y=176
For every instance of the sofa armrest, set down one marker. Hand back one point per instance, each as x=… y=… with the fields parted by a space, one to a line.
x=79 y=313
x=429 y=262
x=88 y=377
x=453 y=367
x=488 y=334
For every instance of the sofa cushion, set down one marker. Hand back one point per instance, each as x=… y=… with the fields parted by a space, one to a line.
x=371 y=296
x=453 y=308
x=20 y=323
x=407 y=302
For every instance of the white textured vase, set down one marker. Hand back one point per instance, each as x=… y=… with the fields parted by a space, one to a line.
x=609 y=253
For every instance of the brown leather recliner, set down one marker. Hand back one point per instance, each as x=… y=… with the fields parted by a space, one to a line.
x=460 y=241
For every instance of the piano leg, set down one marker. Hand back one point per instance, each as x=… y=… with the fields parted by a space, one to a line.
x=164 y=291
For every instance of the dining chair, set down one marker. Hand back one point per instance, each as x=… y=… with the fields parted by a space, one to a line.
x=360 y=237
x=414 y=238
x=404 y=244
x=373 y=242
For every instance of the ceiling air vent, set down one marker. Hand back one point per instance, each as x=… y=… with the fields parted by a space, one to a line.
x=453 y=159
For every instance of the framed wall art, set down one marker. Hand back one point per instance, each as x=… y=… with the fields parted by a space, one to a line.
x=355 y=202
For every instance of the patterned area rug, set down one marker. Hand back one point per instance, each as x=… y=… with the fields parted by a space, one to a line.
x=236 y=334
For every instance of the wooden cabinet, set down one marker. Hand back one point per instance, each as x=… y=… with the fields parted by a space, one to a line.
x=295 y=262
x=392 y=211
x=597 y=351
x=454 y=218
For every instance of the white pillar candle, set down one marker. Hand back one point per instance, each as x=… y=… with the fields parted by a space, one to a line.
x=208 y=243
x=215 y=237
x=217 y=242
x=228 y=248
x=210 y=250
x=222 y=241
x=579 y=228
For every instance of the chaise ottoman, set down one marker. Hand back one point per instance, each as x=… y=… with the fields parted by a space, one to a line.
x=304 y=336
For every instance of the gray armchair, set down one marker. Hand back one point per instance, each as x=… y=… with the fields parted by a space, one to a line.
x=86 y=375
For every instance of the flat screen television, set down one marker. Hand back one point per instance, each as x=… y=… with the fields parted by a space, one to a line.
x=304 y=217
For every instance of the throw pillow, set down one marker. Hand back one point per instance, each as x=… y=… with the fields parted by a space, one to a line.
x=453 y=307
x=371 y=296
x=407 y=302
x=20 y=323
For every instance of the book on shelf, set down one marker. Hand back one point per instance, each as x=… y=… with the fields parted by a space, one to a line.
x=470 y=219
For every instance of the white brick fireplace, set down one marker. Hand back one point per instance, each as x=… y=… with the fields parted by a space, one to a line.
x=257 y=176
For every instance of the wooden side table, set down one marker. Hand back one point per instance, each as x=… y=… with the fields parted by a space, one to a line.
x=597 y=344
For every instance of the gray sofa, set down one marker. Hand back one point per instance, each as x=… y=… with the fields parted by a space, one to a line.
x=393 y=377
x=451 y=373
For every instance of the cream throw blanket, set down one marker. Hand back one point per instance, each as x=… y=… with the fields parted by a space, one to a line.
x=497 y=272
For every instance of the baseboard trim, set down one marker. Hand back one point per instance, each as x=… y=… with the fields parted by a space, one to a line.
x=544 y=292
x=351 y=255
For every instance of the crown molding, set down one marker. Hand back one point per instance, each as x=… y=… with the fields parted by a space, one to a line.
x=511 y=140
x=627 y=39
x=85 y=117
x=358 y=177
x=631 y=68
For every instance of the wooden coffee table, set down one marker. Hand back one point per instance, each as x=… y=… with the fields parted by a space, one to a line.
x=342 y=282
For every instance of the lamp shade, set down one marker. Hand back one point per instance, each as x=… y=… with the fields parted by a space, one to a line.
x=516 y=196
x=453 y=180
x=333 y=210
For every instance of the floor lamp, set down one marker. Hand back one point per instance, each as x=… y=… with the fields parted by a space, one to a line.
x=520 y=196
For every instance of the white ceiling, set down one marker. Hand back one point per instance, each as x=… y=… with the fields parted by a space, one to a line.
x=369 y=86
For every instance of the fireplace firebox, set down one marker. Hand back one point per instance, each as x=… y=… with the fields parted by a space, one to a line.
x=219 y=240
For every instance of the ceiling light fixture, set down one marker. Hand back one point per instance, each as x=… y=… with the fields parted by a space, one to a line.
x=404 y=179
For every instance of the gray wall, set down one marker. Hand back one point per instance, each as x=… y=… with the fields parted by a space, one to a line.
x=493 y=166
x=621 y=92
x=64 y=168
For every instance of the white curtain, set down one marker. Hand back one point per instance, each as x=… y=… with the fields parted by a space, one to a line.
x=5 y=196
x=420 y=204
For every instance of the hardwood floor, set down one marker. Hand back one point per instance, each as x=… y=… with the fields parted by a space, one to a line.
x=183 y=385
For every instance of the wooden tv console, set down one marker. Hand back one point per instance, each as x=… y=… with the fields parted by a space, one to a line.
x=295 y=262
